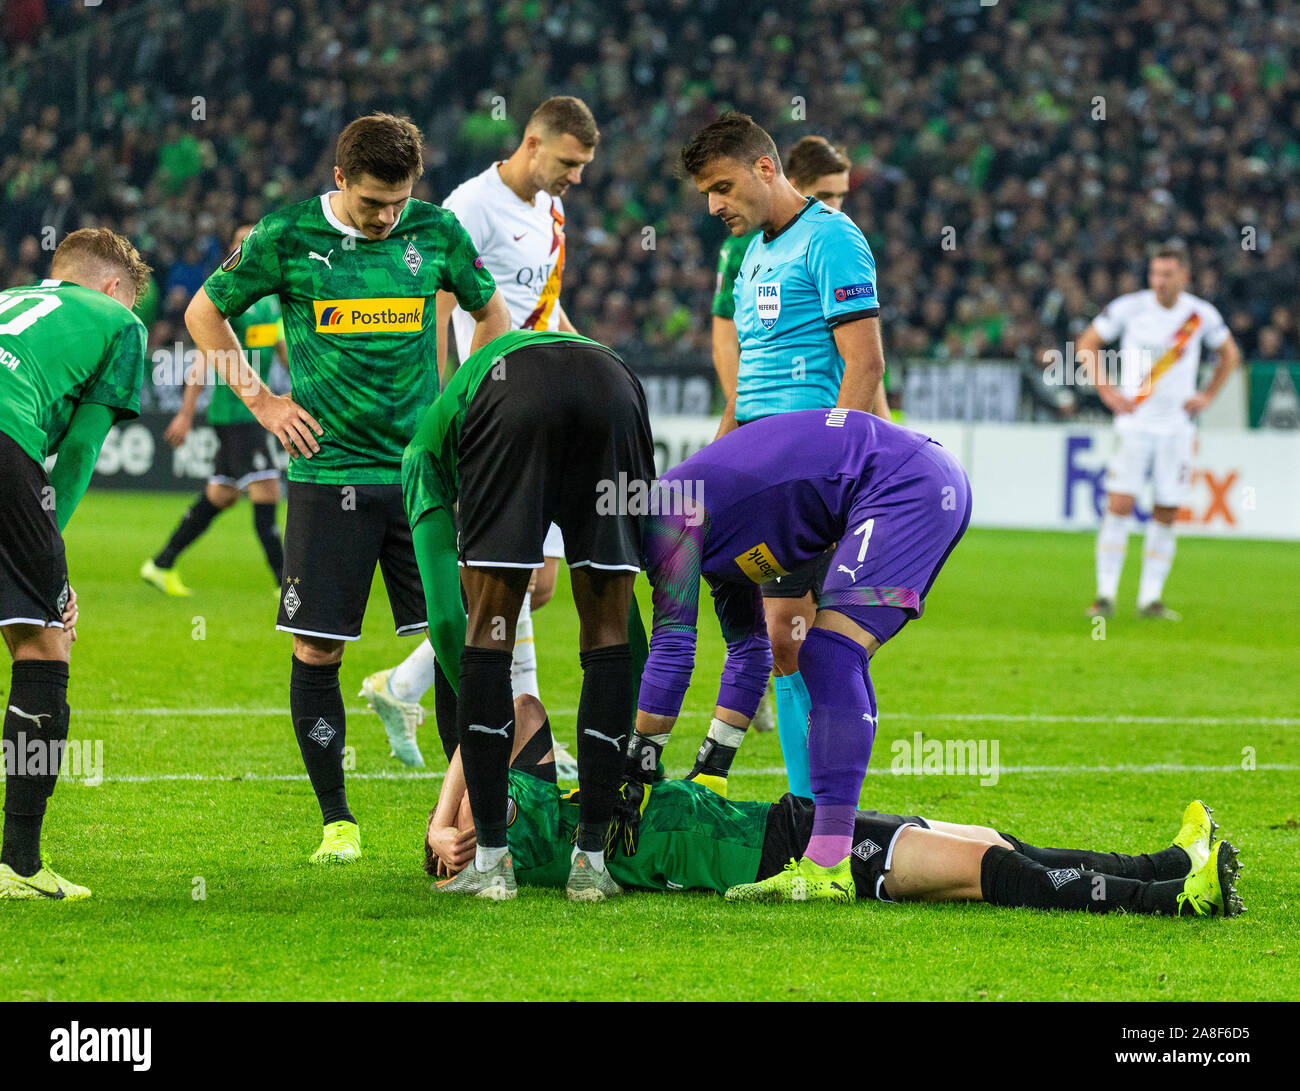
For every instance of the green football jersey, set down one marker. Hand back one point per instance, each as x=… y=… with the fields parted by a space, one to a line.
x=430 y=478
x=259 y=330
x=61 y=345
x=691 y=838
x=730 y=258
x=359 y=323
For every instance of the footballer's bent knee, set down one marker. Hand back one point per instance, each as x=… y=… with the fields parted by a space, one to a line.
x=317 y=651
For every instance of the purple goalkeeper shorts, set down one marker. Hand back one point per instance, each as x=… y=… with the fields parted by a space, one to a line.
x=900 y=532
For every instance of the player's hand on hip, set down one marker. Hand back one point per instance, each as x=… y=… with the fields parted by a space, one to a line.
x=290 y=423
x=70 y=614
x=1115 y=401
x=1196 y=403
x=179 y=428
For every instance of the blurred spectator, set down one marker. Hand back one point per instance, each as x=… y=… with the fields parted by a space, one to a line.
x=1010 y=162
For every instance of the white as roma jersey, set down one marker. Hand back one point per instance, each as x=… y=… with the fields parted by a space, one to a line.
x=521 y=245
x=1160 y=353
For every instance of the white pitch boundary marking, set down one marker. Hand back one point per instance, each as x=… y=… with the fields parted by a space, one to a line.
x=771 y=770
x=936 y=717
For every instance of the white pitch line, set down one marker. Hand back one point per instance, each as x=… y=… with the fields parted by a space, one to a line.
x=935 y=717
x=772 y=770
x=1038 y=718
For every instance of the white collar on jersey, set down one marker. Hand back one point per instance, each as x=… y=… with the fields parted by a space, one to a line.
x=328 y=212
x=50 y=282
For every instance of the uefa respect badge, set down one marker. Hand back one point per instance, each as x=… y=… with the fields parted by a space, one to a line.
x=866 y=290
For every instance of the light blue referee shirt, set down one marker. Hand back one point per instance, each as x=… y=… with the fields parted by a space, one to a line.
x=792 y=290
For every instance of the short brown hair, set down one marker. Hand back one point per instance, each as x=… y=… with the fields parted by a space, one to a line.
x=732 y=136
x=566 y=114
x=386 y=147
x=813 y=157
x=91 y=249
x=1173 y=248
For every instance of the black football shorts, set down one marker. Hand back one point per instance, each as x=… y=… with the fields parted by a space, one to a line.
x=243 y=455
x=789 y=826
x=562 y=436
x=334 y=536
x=33 y=566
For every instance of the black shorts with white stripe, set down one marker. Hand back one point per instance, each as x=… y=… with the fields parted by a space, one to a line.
x=789 y=826
x=564 y=437
x=243 y=455
x=334 y=536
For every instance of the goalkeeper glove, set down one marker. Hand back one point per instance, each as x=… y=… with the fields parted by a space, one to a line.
x=625 y=826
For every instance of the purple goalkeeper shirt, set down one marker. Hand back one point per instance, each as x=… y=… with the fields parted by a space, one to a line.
x=761 y=501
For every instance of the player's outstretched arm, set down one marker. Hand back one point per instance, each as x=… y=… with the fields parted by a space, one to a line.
x=435 y=553
x=859 y=344
x=284 y=418
x=78 y=454
x=449 y=837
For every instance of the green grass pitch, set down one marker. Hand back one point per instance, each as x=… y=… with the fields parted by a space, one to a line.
x=1101 y=743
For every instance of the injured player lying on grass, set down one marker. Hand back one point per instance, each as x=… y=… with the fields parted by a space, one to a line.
x=680 y=835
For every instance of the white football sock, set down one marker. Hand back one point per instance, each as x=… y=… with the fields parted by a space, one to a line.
x=597 y=858
x=412 y=677
x=523 y=668
x=1157 y=560
x=485 y=859
x=1112 y=544
x=724 y=734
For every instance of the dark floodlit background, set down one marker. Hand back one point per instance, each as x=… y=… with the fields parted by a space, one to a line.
x=1055 y=140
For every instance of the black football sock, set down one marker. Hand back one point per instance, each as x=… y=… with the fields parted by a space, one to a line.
x=1170 y=863
x=35 y=733
x=268 y=533
x=444 y=711
x=606 y=709
x=193 y=523
x=485 y=719
x=316 y=704
x=1011 y=879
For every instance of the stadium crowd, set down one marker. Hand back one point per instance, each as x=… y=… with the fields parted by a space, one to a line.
x=1010 y=162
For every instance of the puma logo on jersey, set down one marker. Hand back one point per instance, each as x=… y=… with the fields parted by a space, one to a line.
x=853 y=572
x=603 y=738
x=326 y=259
x=36 y=718
x=485 y=730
